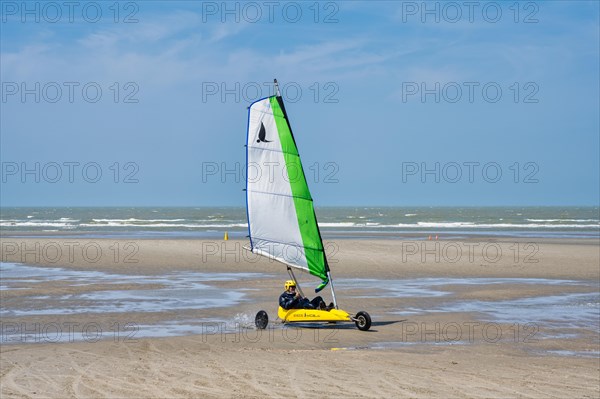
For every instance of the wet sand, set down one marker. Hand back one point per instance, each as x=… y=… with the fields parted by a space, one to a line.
x=473 y=318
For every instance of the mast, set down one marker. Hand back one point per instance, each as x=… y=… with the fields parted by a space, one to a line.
x=332 y=290
x=276 y=85
x=290 y=271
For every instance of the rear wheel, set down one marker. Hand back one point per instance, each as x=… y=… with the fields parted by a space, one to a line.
x=261 y=320
x=363 y=321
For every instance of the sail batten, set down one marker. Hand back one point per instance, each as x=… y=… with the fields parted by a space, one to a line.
x=282 y=222
x=284 y=195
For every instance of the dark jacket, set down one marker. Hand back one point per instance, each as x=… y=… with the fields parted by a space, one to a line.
x=289 y=301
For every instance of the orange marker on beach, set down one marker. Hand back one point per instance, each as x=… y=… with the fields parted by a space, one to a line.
x=429 y=238
x=226 y=237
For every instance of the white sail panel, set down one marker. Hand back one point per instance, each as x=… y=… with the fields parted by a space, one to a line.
x=273 y=222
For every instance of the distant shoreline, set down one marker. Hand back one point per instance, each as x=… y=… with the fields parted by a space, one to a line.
x=432 y=235
x=415 y=223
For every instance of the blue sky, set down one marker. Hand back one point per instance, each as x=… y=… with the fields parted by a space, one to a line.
x=515 y=93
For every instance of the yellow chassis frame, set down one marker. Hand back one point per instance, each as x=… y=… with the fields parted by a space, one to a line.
x=304 y=315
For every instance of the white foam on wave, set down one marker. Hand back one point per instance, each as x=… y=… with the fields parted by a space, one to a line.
x=158 y=225
x=459 y=225
x=10 y=223
x=470 y=225
x=563 y=220
x=137 y=220
x=339 y=224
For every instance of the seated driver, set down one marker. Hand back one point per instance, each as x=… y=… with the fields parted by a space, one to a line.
x=291 y=299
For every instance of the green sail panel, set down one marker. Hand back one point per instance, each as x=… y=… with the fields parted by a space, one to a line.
x=281 y=218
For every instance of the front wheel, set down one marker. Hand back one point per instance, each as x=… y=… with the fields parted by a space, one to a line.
x=363 y=321
x=261 y=320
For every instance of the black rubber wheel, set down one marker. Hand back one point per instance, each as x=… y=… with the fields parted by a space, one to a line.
x=262 y=320
x=363 y=321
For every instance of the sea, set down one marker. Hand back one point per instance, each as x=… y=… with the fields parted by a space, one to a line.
x=334 y=222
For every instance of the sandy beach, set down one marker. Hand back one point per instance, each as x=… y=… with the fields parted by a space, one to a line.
x=126 y=318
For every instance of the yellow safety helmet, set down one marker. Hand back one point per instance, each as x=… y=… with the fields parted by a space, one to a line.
x=289 y=283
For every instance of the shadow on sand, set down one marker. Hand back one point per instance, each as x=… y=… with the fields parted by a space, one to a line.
x=341 y=325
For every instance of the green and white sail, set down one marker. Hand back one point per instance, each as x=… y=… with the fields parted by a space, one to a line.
x=282 y=223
